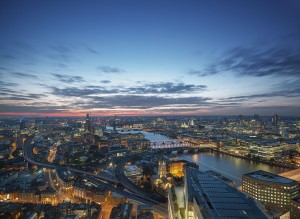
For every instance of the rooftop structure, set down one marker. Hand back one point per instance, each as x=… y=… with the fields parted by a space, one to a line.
x=208 y=197
x=273 y=191
x=269 y=177
x=292 y=174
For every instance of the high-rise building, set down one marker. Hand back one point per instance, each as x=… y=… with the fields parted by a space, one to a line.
x=88 y=125
x=22 y=125
x=241 y=118
x=273 y=191
x=256 y=117
x=275 y=120
x=115 y=126
x=209 y=197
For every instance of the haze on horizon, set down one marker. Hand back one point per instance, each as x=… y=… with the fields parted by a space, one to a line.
x=66 y=58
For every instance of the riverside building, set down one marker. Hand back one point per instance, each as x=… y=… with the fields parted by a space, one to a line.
x=273 y=191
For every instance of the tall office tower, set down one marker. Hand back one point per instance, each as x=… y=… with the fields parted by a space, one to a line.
x=256 y=117
x=162 y=168
x=22 y=125
x=115 y=126
x=275 y=120
x=88 y=125
x=273 y=191
x=241 y=118
x=209 y=197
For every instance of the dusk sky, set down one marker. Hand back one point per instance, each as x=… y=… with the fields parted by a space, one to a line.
x=149 y=57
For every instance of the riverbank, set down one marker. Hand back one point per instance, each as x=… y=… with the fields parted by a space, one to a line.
x=254 y=160
x=231 y=167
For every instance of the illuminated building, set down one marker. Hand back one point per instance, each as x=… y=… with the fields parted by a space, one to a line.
x=267 y=150
x=273 y=191
x=15 y=166
x=177 y=169
x=89 y=193
x=295 y=208
x=209 y=197
x=162 y=169
x=122 y=211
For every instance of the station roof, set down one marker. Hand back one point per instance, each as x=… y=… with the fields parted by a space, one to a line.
x=218 y=199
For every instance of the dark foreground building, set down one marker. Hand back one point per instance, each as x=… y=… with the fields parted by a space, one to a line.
x=209 y=197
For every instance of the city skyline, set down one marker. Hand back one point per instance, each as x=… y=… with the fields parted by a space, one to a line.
x=67 y=58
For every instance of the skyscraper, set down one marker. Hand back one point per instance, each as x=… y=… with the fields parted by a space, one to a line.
x=256 y=117
x=88 y=126
x=275 y=120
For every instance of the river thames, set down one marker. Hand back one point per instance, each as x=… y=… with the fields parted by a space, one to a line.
x=231 y=167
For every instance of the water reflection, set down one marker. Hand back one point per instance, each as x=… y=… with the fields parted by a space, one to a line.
x=230 y=167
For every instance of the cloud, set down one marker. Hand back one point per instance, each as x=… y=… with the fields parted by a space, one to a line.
x=286 y=89
x=7 y=84
x=105 y=81
x=143 y=88
x=18 y=51
x=61 y=54
x=109 y=69
x=211 y=70
x=24 y=75
x=8 y=57
x=81 y=92
x=91 y=50
x=257 y=61
x=12 y=96
x=144 y=102
x=166 y=88
x=69 y=78
x=11 y=108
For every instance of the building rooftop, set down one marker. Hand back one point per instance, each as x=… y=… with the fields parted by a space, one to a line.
x=269 y=177
x=218 y=199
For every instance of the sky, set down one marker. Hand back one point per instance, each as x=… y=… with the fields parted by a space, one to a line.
x=226 y=57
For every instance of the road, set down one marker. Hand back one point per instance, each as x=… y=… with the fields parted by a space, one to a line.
x=138 y=196
x=131 y=186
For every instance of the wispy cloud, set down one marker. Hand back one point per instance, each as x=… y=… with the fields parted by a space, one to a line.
x=12 y=96
x=7 y=84
x=286 y=89
x=91 y=50
x=25 y=109
x=109 y=69
x=69 y=78
x=142 y=88
x=257 y=61
x=144 y=102
x=24 y=75
x=105 y=81
x=166 y=88
x=81 y=92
